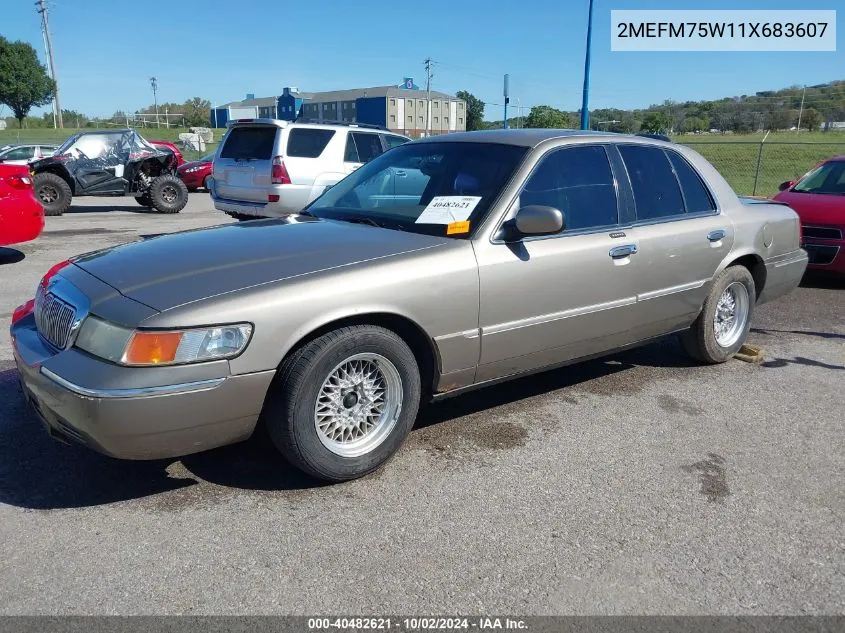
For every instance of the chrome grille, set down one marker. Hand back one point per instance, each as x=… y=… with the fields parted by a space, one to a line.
x=54 y=318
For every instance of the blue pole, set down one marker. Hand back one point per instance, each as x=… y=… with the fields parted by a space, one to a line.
x=585 y=101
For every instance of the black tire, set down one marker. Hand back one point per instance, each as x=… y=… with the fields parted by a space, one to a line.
x=53 y=193
x=192 y=189
x=168 y=194
x=289 y=413
x=700 y=341
x=205 y=184
x=144 y=200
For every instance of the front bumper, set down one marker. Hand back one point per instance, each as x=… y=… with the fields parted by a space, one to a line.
x=826 y=254
x=130 y=415
x=193 y=180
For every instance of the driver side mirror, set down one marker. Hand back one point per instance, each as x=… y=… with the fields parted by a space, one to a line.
x=536 y=219
x=785 y=185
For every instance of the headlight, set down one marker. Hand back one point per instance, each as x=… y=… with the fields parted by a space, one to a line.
x=161 y=347
x=191 y=170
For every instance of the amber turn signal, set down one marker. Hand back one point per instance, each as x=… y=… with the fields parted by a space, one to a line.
x=152 y=348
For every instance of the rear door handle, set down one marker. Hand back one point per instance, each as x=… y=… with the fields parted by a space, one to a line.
x=718 y=234
x=618 y=252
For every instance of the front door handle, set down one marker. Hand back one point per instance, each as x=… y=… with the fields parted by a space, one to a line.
x=618 y=252
x=718 y=234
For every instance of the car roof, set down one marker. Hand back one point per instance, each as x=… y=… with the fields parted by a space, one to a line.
x=526 y=137
x=835 y=159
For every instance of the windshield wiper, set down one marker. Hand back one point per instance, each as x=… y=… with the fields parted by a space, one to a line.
x=364 y=219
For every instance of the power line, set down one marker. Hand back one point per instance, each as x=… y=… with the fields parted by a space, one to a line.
x=42 y=9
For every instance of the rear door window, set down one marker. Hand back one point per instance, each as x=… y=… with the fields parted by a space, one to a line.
x=369 y=146
x=308 y=142
x=656 y=190
x=254 y=142
x=577 y=181
x=696 y=197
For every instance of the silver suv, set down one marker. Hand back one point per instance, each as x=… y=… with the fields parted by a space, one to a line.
x=268 y=167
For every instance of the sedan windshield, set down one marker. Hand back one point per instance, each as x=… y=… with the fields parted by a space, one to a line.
x=827 y=179
x=437 y=188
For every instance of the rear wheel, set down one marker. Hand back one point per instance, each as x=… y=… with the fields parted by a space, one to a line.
x=205 y=183
x=343 y=403
x=721 y=328
x=53 y=193
x=168 y=194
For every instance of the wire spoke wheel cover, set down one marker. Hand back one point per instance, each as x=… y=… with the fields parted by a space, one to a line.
x=358 y=405
x=731 y=314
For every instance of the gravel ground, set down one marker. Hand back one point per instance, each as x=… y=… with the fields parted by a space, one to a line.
x=637 y=484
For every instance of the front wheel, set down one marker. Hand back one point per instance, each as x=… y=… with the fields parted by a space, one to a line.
x=721 y=328
x=53 y=193
x=342 y=404
x=168 y=194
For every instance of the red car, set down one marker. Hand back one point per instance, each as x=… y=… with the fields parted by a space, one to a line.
x=167 y=145
x=196 y=173
x=21 y=215
x=819 y=200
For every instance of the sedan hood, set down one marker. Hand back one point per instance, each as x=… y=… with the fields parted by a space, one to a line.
x=166 y=271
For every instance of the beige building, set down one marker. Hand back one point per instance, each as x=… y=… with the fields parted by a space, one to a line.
x=403 y=110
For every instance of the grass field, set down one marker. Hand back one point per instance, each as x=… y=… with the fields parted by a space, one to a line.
x=785 y=155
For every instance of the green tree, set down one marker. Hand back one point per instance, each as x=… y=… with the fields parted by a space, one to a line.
x=546 y=117
x=24 y=82
x=811 y=119
x=475 y=110
x=655 y=122
x=196 y=112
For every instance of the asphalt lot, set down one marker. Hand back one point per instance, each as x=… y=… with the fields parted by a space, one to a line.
x=638 y=484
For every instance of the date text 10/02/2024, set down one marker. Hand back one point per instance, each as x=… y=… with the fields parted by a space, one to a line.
x=416 y=623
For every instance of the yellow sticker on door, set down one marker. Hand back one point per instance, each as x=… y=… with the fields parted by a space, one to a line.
x=457 y=227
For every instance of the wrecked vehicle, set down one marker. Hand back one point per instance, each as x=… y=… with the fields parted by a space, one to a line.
x=109 y=163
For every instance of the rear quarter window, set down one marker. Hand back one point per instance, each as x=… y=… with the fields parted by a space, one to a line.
x=696 y=197
x=250 y=142
x=307 y=142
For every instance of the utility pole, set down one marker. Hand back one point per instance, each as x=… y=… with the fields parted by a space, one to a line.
x=154 y=84
x=801 y=111
x=428 y=77
x=585 y=99
x=42 y=9
x=506 y=94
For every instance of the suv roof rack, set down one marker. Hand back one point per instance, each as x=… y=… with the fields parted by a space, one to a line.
x=344 y=123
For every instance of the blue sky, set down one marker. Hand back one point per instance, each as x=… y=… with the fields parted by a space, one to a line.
x=224 y=50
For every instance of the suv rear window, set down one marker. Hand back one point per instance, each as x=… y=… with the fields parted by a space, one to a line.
x=250 y=142
x=307 y=142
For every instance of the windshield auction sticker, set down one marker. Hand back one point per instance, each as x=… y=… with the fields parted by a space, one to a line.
x=693 y=30
x=448 y=209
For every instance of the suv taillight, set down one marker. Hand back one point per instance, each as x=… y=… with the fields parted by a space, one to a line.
x=279 y=174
